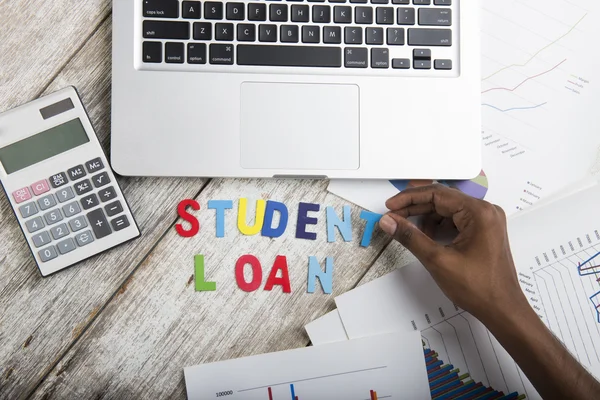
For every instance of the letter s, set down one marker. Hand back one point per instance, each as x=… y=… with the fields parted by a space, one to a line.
x=181 y=210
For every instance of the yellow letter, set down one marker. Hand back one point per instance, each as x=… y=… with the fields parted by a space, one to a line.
x=258 y=220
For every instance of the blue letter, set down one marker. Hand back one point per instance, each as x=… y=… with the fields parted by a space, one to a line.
x=267 y=229
x=314 y=271
x=344 y=226
x=371 y=219
x=304 y=219
x=220 y=206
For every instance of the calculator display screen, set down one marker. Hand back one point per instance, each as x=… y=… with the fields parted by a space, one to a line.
x=43 y=145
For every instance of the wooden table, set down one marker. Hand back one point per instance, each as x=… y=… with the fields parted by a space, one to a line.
x=124 y=324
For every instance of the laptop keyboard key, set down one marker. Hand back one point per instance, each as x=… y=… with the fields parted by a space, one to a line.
x=321 y=14
x=221 y=54
x=363 y=15
x=278 y=12
x=289 y=56
x=300 y=13
x=289 y=33
x=384 y=15
x=422 y=64
x=342 y=15
x=267 y=33
x=190 y=9
x=224 y=32
x=442 y=64
x=246 y=32
x=429 y=37
x=173 y=55
x=152 y=52
x=395 y=36
x=257 y=12
x=161 y=9
x=235 y=11
x=356 y=57
x=196 y=53
x=374 y=35
x=213 y=10
x=310 y=34
x=353 y=35
x=380 y=58
x=406 y=16
x=435 y=16
x=166 y=30
x=332 y=34
x=202 y=31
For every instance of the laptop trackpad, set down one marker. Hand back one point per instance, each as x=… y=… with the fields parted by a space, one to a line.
x=299 y=126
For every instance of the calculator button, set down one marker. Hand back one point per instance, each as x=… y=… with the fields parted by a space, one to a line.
x=84 y=238
x=21 y=195
x=59 y=231
x=76 y=172
x=66 y=246
x=41 y=239
x=94 y=165
x=35 y=224
x=120 y=223
x=107 y=194
x=40 y=187
x=65 y=194
x=28 y=209
x=71 y=209
x=101 y=180
x=83 y=187
x=47 y=254
x=78 y=223
x=90 y=201
x=99 y=223
x=113 y=208
x=58 y=180
x=46 y=202
x=53 y=217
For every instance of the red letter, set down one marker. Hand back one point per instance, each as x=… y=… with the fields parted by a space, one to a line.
x=181 y=210
x=256 y=273
x=279 y=264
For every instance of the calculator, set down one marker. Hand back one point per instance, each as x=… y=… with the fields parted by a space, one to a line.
x=59 y=183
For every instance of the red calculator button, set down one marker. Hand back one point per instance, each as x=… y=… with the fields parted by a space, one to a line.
x=21 y=195
x=40 y=187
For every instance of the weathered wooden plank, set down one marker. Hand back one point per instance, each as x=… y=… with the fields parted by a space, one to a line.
x=42 y=317
x=38 y=38
x=139 y=345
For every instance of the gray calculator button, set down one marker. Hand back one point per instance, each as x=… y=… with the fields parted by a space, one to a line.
x=113 y=208
x=94 y=165
x=40 y=239
x=101 y=179
x=120 y=223
x=65 y=194
x=47 y=254
x=71 y=209
x=76 y=172
x=89 y=201
x=83 y=187
x=28 y=209
x=46 y=202
x=53 y=217
x=78 y=223
x=107 y=194
x=35 y=224
x=84 y=238
x=58 y=180
x=59 y=231
x=99 y=223
x=66 y=246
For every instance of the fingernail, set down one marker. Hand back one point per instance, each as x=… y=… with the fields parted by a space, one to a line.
x=388 y=225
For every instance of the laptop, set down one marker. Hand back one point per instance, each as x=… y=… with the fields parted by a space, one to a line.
x=358 y=89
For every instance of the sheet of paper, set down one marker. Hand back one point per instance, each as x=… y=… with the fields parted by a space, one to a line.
x=409 y=300
x=540 y=130
x=326 y=329
x=392 y=366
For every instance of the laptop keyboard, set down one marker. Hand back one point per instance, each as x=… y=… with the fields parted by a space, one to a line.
x=398 y=36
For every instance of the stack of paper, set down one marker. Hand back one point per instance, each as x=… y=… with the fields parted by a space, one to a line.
x=556 y=247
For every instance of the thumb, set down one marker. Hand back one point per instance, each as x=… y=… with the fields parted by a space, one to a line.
x=411 y=237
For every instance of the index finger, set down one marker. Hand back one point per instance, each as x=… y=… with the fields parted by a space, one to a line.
x=441 y=199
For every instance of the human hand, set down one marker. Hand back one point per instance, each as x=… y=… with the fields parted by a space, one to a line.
x=476 y=271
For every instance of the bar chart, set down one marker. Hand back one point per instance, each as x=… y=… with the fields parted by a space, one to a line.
x=372 y=394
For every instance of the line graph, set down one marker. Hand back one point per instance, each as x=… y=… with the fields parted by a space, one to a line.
x=592 y=269
x=514 y=108
x=537 y=53
x=526 y=80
